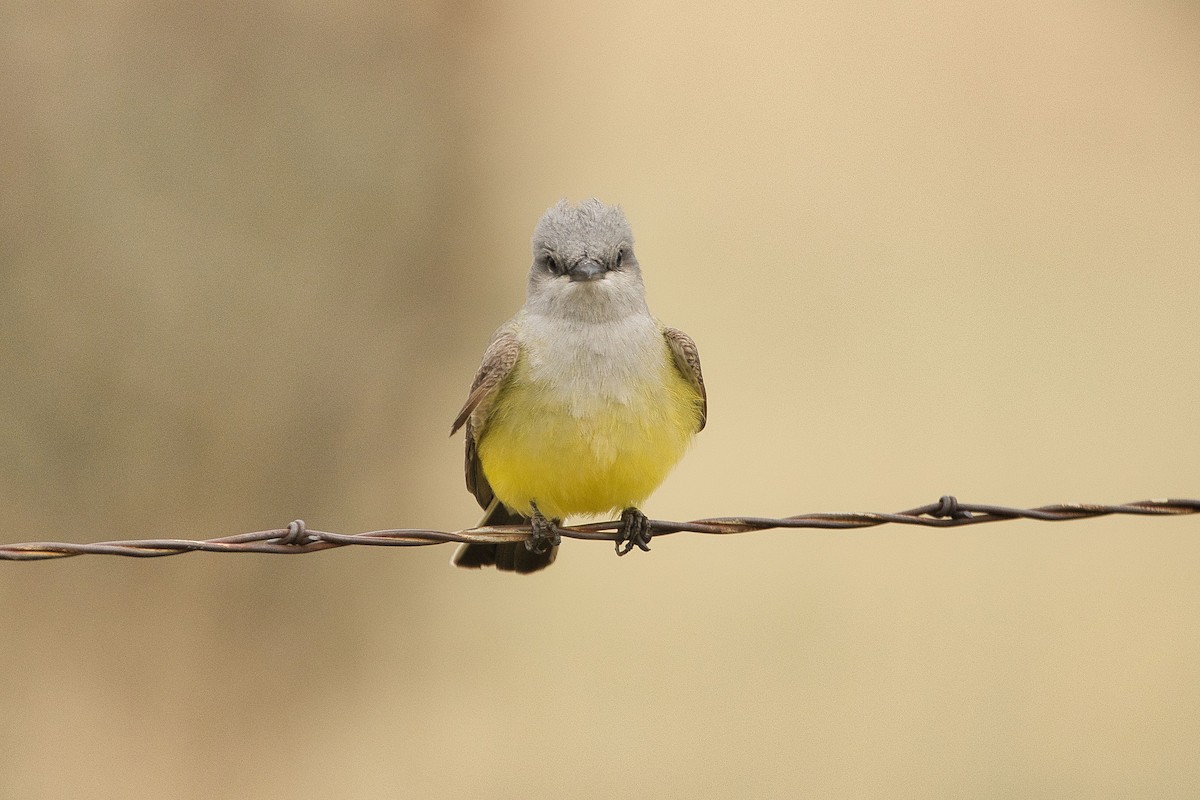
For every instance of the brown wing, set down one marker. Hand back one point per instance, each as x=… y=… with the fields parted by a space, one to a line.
x=687 y=360
x=498 y=362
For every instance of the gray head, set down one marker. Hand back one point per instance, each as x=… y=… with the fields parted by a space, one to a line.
x=583 y=263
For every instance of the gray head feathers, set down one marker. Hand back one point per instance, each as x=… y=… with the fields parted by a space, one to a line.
x=583 y=263
x=590 y=229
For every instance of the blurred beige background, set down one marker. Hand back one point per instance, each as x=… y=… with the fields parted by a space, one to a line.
x=249 y=258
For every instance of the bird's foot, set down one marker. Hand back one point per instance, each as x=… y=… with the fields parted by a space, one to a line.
x=545 y=533
x=635 y=531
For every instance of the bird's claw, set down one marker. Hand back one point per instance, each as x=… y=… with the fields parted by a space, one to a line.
x=545 y=533
x=635 y=532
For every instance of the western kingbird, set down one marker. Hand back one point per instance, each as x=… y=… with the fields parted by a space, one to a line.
x=584 y=402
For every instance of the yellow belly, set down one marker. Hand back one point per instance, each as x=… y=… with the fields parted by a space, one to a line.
x=592 y=455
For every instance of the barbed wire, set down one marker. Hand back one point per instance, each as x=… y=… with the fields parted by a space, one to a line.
x=296 y=538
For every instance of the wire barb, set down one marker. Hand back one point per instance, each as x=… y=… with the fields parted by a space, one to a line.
x=297 y=534
x=296 y=538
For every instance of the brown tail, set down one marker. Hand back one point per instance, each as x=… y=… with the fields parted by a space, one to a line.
x=512 y=557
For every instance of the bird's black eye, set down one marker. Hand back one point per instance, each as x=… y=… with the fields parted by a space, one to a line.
x=619 y=259
x=551 y=264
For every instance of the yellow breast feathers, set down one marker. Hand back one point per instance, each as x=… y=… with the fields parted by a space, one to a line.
x=589 y=433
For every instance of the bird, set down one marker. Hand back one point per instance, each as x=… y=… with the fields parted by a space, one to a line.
x=583 y=401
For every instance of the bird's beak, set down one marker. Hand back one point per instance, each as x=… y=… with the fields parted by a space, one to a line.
x=586 y=269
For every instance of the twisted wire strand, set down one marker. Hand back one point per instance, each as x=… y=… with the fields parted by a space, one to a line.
x=296 y=538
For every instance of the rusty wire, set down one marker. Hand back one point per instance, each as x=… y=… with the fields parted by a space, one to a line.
x=296 y=538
